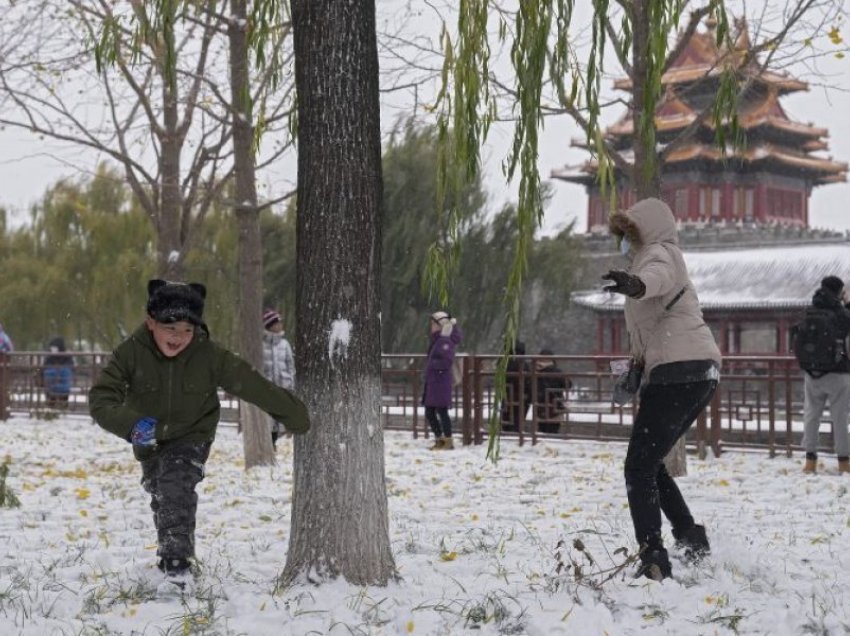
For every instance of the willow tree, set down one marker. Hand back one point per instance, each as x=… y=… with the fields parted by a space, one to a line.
x=548 y=77
x=149 y=120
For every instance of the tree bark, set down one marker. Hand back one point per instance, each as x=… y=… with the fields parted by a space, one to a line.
x=256 y=432
x=171 y=198
x=339 y=509
x=647 y=168
x=646 y=173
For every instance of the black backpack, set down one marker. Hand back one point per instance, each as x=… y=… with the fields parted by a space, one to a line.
x=818 y=341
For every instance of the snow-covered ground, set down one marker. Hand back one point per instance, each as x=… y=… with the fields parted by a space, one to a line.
x=481 y=548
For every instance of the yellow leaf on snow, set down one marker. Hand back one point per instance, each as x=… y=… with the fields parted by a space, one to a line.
x=409 y=627
x=448 y=556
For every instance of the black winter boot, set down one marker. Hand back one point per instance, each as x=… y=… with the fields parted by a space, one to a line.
x=654 y=564
x=174 y=567
x=179 y=578
x=693 y=541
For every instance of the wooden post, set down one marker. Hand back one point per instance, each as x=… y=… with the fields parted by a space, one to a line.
x=4 y=386
x=466 y=389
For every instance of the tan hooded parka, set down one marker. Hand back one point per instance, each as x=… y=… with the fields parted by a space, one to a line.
x=658 y=334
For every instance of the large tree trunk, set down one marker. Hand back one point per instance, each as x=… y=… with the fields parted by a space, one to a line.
x=339 y=508
x=647 y=168
x=169 y=240
x=256 y=433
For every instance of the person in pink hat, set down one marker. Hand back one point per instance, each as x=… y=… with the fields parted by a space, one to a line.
x=278 y=360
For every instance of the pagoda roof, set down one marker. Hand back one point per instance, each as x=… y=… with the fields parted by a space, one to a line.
x=774 y=139
x=823 y=170
x=701 y=58
x=767 y=278
x=753 y=154
x=675 y=114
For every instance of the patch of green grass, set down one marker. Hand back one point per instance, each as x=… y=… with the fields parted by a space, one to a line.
x=8 y=499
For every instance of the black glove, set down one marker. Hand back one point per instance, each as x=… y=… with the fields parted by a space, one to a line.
x=624 y=283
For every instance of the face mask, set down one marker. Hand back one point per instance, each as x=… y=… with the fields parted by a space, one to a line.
x=625 y=246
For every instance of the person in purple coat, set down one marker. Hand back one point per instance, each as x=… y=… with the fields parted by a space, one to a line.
x=437 y=397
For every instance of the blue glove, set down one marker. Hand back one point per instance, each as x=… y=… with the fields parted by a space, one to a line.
x=144 y=432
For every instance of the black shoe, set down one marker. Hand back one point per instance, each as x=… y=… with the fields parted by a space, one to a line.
x=693 y=541
x=179 y=580
x=174 y=567
x=654 y=564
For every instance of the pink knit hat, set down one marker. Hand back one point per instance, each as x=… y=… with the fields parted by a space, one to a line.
x=270 y=316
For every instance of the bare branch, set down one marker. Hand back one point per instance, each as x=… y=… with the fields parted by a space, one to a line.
x=694 y=20
x=619 y=49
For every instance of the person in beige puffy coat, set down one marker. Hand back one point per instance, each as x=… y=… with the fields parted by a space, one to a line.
x=681 y=369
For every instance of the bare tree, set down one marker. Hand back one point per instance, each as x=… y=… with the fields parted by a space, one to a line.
x=256 y=435
x=169 y=132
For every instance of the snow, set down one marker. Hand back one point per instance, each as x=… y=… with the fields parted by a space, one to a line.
x=784 y=276
x=339 y=336
x=477 y=545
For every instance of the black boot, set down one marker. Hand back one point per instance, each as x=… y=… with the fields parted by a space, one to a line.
x=693 y=541
x=654 y=564
x=174 y=567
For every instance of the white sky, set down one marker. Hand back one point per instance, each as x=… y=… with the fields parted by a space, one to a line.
x=29 y=165
x=78 y=555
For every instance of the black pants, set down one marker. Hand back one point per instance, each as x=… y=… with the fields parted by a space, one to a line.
x=665 y=414
x=443 y=427
x=170 y=475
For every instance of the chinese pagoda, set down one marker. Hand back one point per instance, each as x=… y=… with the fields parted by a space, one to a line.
x=744 y=217
x=766 y=181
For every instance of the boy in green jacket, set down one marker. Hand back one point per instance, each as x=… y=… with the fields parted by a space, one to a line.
x=159 y=391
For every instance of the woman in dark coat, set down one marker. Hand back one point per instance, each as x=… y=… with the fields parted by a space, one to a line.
x=437 y=397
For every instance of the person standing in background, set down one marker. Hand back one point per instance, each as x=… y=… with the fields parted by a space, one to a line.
x=437 y=397
x=278 y=360
x=57 y=374
x=552 y=387
x=820 y=344
x=6 y=345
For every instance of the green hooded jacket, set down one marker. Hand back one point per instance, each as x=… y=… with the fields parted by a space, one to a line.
x=182 y=392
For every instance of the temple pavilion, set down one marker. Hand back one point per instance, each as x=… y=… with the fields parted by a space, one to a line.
x=751 y=290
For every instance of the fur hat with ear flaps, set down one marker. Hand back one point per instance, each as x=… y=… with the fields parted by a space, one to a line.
x=175 y=302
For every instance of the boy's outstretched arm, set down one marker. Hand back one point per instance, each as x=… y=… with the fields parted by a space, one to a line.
x=239 y=378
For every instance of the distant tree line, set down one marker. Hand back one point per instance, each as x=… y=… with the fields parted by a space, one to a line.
x=79 y=265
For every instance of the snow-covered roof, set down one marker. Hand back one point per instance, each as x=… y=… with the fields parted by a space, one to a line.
x=764 y=278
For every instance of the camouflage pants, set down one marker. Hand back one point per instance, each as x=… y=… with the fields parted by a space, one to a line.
x=170 y=475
